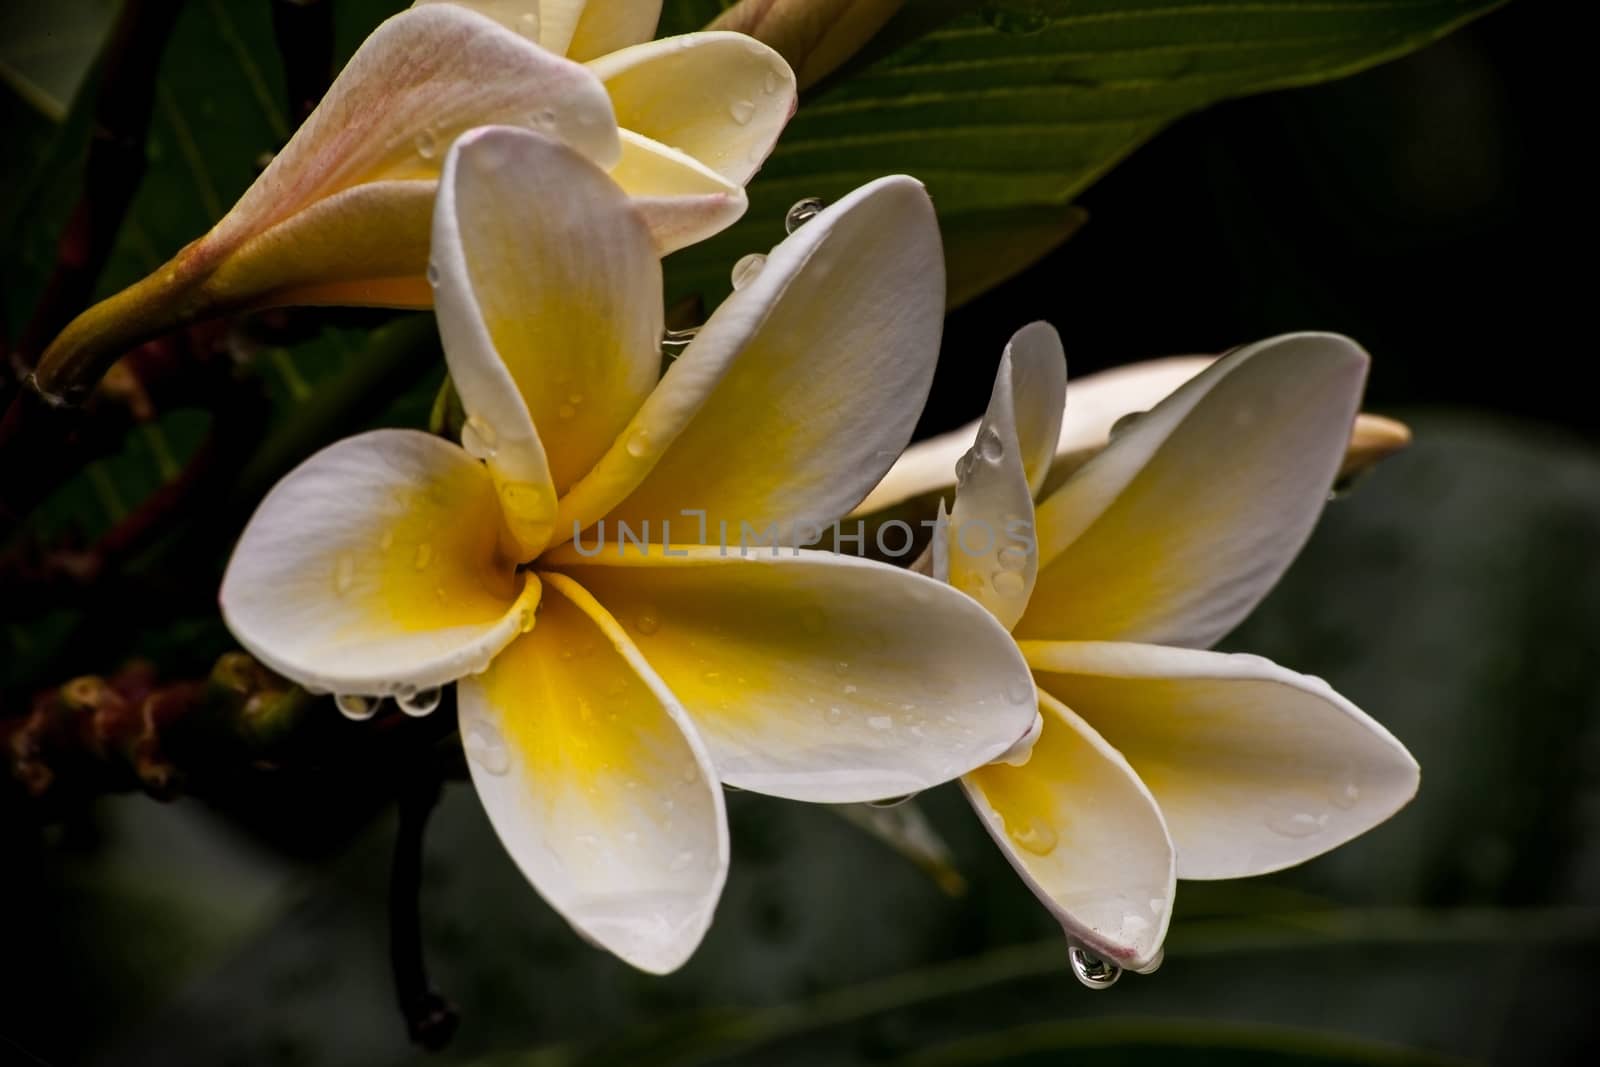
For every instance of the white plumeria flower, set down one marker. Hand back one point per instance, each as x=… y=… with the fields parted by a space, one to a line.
x=1156 y=760
x=599 y=719
x=342 y=214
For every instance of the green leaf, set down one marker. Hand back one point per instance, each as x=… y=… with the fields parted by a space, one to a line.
x=1017 y=106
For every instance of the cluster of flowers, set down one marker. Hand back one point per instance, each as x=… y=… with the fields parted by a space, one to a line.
x=523 y=174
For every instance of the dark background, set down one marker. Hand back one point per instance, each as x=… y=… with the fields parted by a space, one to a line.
x=1455 y=596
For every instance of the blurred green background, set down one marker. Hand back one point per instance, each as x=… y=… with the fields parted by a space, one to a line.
x=1455 y=595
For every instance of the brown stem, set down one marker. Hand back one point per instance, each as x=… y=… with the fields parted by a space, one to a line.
x=431 y=1020
x=112 y=174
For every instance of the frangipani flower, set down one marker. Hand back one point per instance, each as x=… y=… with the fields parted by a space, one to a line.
x=1155 y=759
x=603 y=693
x=1099 y=402
x=342 y=214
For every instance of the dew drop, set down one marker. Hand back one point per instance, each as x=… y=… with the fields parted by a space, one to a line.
x=711 y=678
x=880 y=722
x=772 y=80
x=433 y=275
x=528 y=25
x=745 y=271
x=802 y=212
x=742 y=111
x=525 y=620
x=485 y=747
x=841 y=667
x=344 y=573
x=1345 y=797
x=848 y=689
x=834 y=715
x=990 y=446
x=426 y=144
x=423 y=557
x=420 y=702
x=1090 y=969
x=478 y=438
x=1035 y=836
x=1007 y=583
x=1296 y=824
x=1019 y=691
x=355 y=706
x=648 y=622
x=1013 y=557
x=639 y=444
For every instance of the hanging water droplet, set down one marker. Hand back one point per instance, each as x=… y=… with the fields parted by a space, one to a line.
x=1007 y=583
x=742 y=111
x=648 y=622
x=1090 y=969
x=344 y=573
x=528 y=24
x=1035 y=836
x=420 y=702
x=423 y=556
x=426 y=144
x=355 y=706
x=1019 y=691
x=478 y=438
x=673 y=342
x=802 y=212
x=639 y=444
x=990 y=445
x=746 y=270
x=485 y=747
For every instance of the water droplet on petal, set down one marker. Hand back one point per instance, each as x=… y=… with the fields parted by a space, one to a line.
x=773 y=79
x=344 y=573
x=681 y=861
x=1345 y=796
x=745 y=271
x=420 y=702
x=1035 y=836
x=1090 y=969
x=834 y=715
x=648 y=622
x=1007 y=583
x=423 y=556
x=712 y=678
x=566 y=411
x=1013 y=557
x=990 y=445
x=355 y=706
x=433 y=275
x=802 y=212
x=1296 y=824
x=528 y=25
x=639 y=444
x=426 y=144
x=742 y=111
x=485 y=747
x=1019 y=691
x=478 y=438
x=880 y=722
x=691 y=773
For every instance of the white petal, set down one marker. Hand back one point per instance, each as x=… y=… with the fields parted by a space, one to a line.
x=814 y=676
x=596 y=783
x=579 y=29
x=1255 y=767
x=993 y=557
x=1094 y=404
x=1179 y=527
x=682 y=200
x=549 y=304
x=800 y=389
x=1085 y=834
x=373 y=566
x=721 y=97
x=420 y=80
